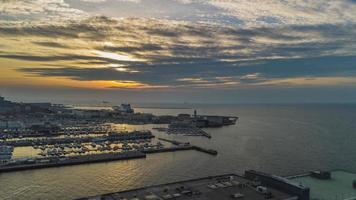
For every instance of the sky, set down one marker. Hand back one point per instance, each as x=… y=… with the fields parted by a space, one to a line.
x=178 y=51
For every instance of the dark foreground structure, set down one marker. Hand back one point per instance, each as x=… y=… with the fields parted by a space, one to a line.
x=252 y=186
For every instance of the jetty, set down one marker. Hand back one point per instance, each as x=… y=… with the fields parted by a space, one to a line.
x=193 y=147
x=186 y=129
x=70 y=160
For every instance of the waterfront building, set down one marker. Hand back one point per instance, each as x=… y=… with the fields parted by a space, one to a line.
x=124 y=108
x=229 y=186
x=3 y=124
x=6 y=106
x=331 y=185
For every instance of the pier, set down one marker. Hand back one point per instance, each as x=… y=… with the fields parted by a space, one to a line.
x=208 y=151
x=70 y=160
x=57 y=161
x=186 y=129
x=167 y=149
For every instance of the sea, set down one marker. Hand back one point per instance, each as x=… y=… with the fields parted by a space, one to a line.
x=283 y=139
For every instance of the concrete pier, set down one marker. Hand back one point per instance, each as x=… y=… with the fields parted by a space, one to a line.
x=92 y=158
x=72 y=160
x=193 y=147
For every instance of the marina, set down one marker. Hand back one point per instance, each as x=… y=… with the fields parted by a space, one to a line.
x=57 y=160
x=257 y=142
x=136 y=135
x=76 y=136
x=98 y=149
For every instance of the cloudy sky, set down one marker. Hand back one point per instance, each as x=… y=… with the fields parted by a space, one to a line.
x=207 y=51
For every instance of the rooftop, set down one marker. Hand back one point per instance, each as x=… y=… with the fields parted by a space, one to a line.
x=228 y=186
x=339 y=187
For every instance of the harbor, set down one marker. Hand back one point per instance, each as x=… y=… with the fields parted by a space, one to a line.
x=57 y=161
x=253 y=143
x=78 y=136
x=62 y=152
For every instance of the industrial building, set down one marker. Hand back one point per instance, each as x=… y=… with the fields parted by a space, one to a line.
x=253 y=186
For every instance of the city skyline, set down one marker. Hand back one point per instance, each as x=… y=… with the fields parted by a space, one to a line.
x=154 y=51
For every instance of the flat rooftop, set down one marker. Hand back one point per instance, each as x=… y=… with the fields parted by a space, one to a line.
x=339 y=187
x=217 y=187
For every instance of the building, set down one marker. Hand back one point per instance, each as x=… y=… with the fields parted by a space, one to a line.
x=124 y=108
x=229 y=186
x=10 y=107
x=333 y=185
x=280 y=183
x=3 y=124
x=5 y=153
x=6 y=106
x=14 y=124
x=214 y=121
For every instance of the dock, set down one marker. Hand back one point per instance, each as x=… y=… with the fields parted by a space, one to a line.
x=174 y=141
x=70 y=160
x=208 y=151
x=38 y=163
x=61 y=160
x=193 y=147
x=65 y=140
x=167 y=149
x=187 y=129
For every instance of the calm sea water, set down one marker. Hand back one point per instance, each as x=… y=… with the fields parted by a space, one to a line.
x=280 y=139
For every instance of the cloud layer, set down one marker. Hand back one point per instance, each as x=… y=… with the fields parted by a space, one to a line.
x=165 y=53
x=188 y=43
x=243 y=12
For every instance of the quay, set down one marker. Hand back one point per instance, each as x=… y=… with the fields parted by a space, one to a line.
x=167 y=149
x=57 y=161
x=193 y=147
x=173 y=141
x=37 y=163
x=70 y=160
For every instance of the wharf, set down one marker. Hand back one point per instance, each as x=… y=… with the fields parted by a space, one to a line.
x=38 y=163
x=92 y=158
x=72 y=160
x=192 y=147
x=168 y=149
x=173 y=141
